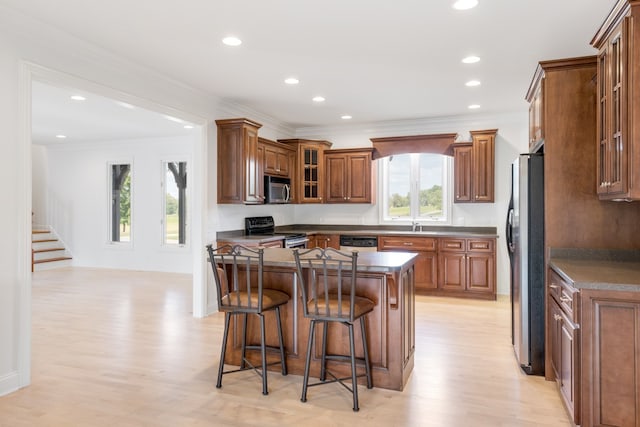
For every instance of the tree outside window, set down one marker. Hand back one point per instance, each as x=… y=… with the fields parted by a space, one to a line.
x=175 y=203
x=120 y=202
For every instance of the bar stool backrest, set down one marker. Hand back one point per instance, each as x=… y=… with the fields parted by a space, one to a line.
x=237 y=272
x=327 y=281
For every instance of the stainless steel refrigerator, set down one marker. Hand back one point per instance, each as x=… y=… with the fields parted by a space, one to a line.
x=525 y=243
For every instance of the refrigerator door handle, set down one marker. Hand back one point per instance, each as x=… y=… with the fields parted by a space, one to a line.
x=510 y=244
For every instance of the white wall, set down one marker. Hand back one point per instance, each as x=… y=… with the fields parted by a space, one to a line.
x=79 y=202
x=14 y=281
x=33 y=50
x=510 y=141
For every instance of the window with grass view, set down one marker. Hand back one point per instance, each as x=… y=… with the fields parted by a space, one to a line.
x=175 y=203
x=120 y=179
x=416 y=187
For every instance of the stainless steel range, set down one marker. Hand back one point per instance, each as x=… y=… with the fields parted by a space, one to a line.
x=265 y=226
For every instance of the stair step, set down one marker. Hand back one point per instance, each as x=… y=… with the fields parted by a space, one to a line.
x=40 y=231
x=44 y=240
x=38 y=251
x=40 y=261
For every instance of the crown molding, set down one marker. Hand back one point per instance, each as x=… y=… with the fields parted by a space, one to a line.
x=444 y=124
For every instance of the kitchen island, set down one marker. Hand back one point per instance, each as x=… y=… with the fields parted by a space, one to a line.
x=386 y=278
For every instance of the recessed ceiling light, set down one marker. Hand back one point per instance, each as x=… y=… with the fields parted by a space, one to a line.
x=465 y=4
x=318 y=99
x=470 y=59
x=61 y=136
x=188 y=126
x=291 y=81
x=346 y=117
x=232 y=41
x=78 y=97
x=474 y=106
x=125 y=105
x=174 y=119
x=472 y=83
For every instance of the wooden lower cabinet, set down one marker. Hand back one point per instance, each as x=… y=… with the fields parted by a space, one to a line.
x=467 y=267
x=594 y=351
x=564 y=358
x=610 y=358
x=426 y=267
x=449 y=266
x=324 y=241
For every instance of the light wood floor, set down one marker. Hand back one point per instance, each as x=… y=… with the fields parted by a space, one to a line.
x=120 y=348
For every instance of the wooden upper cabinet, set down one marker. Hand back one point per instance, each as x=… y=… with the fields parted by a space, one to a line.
x=240 y=175
x=536 y=114
x=348 y=175
x=309 y=177
x=483 y=165
x=462 y=169
x=474 y=165
x=618 y=110
x=279 y=159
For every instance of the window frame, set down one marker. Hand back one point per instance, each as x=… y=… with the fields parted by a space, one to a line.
x=163 y=200
x=109 y=232
x=447 y=193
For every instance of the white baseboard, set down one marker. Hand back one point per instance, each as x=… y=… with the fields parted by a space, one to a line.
x=9 y=383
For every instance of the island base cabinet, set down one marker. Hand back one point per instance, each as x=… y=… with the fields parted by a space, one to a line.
x=390 y=329
x=610 y=356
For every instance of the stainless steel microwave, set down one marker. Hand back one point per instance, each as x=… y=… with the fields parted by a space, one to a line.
x=277 y=190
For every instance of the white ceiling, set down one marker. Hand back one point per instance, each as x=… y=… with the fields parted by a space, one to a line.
x=375 y=60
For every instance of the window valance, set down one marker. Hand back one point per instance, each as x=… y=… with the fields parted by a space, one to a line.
x=436 y=144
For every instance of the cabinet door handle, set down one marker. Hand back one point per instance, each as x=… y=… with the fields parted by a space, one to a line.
x=408 y=244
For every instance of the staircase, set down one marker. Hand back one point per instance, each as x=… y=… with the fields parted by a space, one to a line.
x=47 y=251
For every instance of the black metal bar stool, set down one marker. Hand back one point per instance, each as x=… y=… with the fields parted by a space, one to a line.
x=237 y=271
x=327 y=280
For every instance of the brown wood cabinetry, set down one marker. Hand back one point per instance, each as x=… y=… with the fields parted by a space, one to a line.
x=594 y=353
x=466 y=267
x=474 y=168
x=325 y=241
x=240 y=175
x=462 y=172
x=536 y=117
x=426 y=266
x=348 y=176
x=618 y=110
x=563 y=341
x=279 y=159
x=309 y=177
x=610 y=358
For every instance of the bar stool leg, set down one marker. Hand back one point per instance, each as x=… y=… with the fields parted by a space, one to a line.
x=354 y=373
x=323 y=365
x=366 y=353
x=283 y=357
x=244 y=341
x=225 y=335
x=263 y=351
x=305 y=380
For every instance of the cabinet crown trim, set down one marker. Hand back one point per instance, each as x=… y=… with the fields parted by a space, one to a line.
x=240 y=120
x=619 y=10
x=436 y=144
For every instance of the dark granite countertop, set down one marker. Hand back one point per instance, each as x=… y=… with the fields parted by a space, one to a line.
x=598 y=268
x=238 y=236
x=383 y=262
